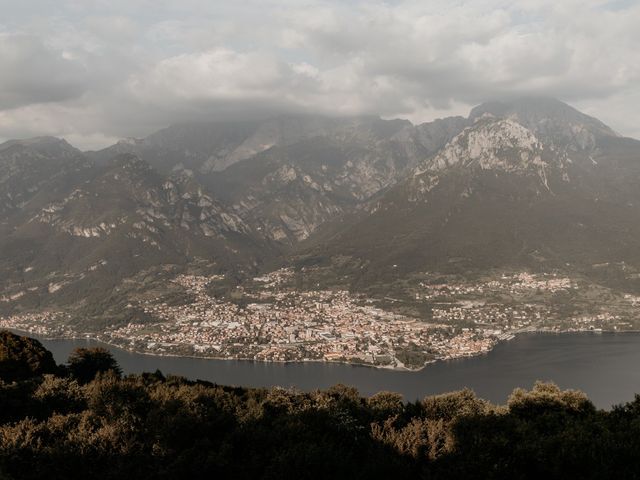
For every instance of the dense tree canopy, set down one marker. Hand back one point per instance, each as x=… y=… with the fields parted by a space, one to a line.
x=152 y=426
x=22 y=357
x=85 y=363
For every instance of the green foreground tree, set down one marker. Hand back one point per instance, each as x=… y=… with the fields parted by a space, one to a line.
x=85 y=363
x=22 y=357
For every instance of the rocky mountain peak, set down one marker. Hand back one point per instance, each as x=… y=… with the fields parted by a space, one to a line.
x=551 y=120
x=48 y=146
x=490 y=143
x=518 y=184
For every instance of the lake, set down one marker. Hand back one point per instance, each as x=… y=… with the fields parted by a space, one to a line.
x=604 y=365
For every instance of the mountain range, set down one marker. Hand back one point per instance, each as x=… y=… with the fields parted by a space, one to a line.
x=529 y=183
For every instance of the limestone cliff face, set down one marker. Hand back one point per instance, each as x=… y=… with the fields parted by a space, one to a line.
x=82 y=230
x=523 y=184
x=290 y=190
x=128 y=196
x=27 y=165
x=554 y=122
x=493 y=145
x=501 y=144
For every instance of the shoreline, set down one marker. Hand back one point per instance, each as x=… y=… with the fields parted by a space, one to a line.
x=513 y=335
x=226 y=359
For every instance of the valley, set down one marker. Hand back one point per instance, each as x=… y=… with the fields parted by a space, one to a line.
x=268 y=319
x=308 y=238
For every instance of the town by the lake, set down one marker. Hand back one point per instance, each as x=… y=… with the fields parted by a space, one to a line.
x=277 y=322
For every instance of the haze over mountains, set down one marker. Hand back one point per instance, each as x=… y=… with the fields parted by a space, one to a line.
x=529 y=183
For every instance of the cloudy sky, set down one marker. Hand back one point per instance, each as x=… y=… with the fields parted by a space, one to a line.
x=96 y=71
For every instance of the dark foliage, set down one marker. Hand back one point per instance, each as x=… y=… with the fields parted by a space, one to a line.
x=165 y=427
x=23 y=357
x=86 y=363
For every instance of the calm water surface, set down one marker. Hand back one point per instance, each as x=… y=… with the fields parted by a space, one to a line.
x=604 y=365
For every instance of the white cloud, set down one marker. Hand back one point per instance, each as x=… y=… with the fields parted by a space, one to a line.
x=112 y=28
x=103 y=70
x=215 y=74
x=32 y=72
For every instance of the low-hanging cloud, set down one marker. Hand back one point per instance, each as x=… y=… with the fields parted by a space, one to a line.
x=33 y=73
x=99 y=73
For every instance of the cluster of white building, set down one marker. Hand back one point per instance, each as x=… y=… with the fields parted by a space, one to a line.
x=285 y=325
